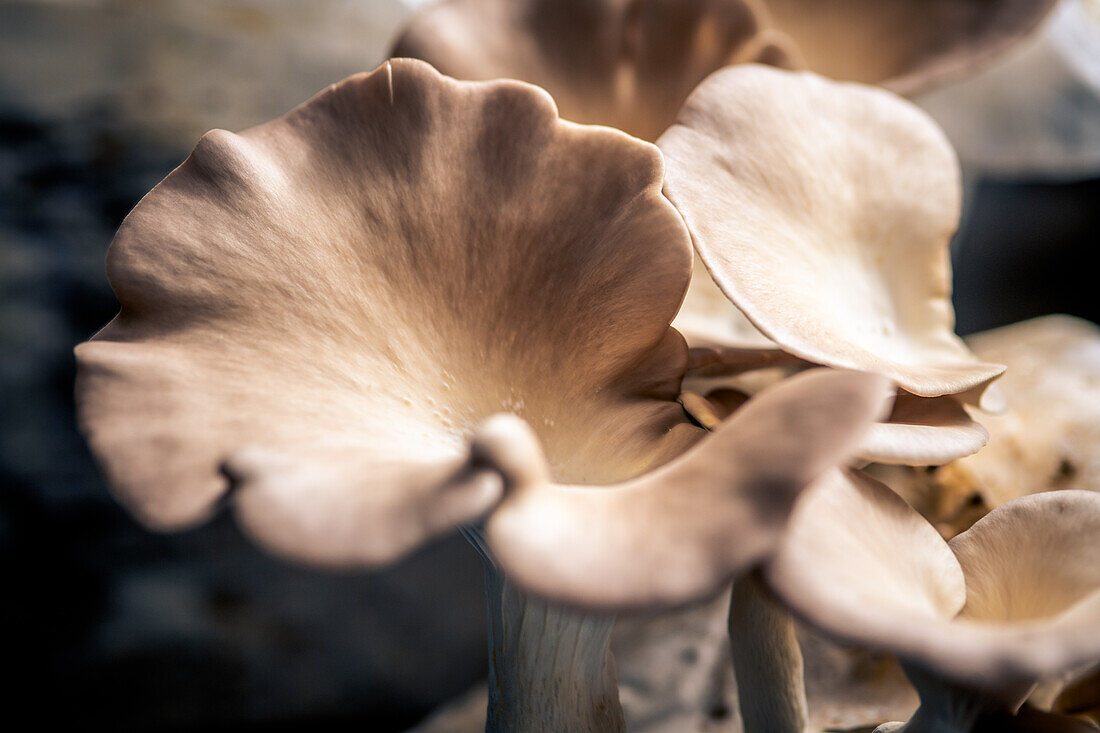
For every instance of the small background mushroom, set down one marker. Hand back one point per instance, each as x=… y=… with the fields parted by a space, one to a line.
x=1010 y=602
x=631 y=63
x=627 y=64
x=1048 y=438
x=904 y=45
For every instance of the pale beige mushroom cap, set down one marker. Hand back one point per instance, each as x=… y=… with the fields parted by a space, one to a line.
x=1050 y=436
x=318 y=312
x=1013 y=600
x=823 y=211
x=923 y=431
x=683 y=530
x=904 y=45
x=1035 y=558
x=624 y=63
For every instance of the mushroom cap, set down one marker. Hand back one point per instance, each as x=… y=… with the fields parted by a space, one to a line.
x=318 y=311
x=1050 y=438
x=1034 y=558
x=854 y=548
x=823 y=211
x=610 y=62
x=681 y=531
x=859 y=564
x=904 y=45
x=923 y=431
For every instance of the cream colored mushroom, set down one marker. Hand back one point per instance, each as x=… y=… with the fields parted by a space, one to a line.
x=321 y=315
x=976 y=623
x=823 y=211
x=1050 y=437
x=631 y=63
x=624 y=63
x=782 y=179
x=923 y=431
x=905 y=45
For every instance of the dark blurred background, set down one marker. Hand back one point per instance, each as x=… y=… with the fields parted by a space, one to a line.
x=104 y=622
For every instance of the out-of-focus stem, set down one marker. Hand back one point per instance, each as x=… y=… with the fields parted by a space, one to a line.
x=767 y=661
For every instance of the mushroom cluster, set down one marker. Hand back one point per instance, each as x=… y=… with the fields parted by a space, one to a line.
x=416 y=303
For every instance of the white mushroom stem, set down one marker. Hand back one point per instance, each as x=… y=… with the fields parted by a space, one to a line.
x=550 y=667
x=767 y=661
x=949 y=708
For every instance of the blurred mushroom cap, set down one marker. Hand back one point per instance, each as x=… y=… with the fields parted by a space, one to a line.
x=1013 y=600
x=627 y=64
x=905 y=45
x=1049 y=438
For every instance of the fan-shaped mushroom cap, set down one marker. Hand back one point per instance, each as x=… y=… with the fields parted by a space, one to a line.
x=324 y=307
x=681 y=531
x=1017 y=600
x=1050 y=437
x=823 y=211
x=627 y=64
x=854 y=548
x=905 y=45
x=1034 y=558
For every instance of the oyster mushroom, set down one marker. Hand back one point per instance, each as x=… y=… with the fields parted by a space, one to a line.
x=631 y=63
x=977 y=622
x=923 y=431
x=823 y=211
x=904 y=45
x=622 y=557
x=320 y=315
x=762 y=635
x=1049 y=437
x=1046 y=440
x=781 y=177
x=624 y=63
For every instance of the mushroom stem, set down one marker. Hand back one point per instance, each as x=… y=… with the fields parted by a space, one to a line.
x=550 y=667
x=950 y=708
x=767 y=661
